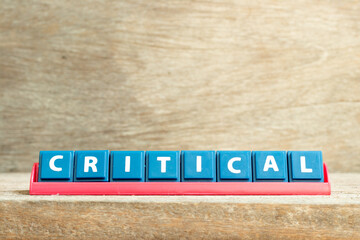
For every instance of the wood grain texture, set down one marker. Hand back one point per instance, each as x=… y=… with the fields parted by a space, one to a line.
x=216 y=74
x=173 y=217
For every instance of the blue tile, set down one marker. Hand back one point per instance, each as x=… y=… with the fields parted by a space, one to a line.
x=127 y=166
x=163 y=166
x=56 y=166
x=270 y=166
x=306 y=166
x=234 y=166
x=92 y=166
x=198 y=166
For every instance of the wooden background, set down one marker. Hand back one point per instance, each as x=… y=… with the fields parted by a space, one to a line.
x=179 y=74
x=216 y=74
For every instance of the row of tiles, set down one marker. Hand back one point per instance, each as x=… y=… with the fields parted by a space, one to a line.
x=176 y=166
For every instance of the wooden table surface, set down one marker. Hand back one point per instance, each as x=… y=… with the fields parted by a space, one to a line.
x=169 y=74
x=173 y=217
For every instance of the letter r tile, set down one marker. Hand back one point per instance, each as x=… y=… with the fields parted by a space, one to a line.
x=92 y=166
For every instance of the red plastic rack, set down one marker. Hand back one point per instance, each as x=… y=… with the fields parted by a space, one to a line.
x=178 y=188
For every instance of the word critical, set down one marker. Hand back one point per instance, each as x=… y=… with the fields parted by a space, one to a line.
x=180 y=166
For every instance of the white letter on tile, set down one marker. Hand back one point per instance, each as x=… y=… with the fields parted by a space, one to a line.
x=91 y=164
x=270 y=163
x=52 y=163
x=230 y=165
x=198 y=163
x=163 y=163
x=127 y=164
x=303 y=165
